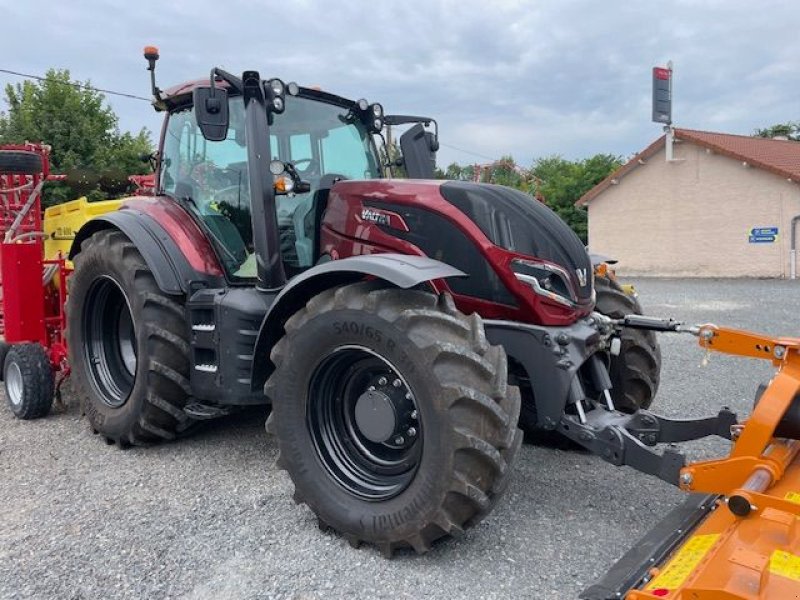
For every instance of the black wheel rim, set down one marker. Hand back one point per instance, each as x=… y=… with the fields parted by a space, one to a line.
x=349 y=447
x=110 y=342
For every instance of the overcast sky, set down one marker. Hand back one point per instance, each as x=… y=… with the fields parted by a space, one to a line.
x=527 y=78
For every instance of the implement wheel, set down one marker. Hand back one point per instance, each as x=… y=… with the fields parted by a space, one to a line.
x=393 y=415
x=128 y=344
x=20 y=162
x=28 y=379
x=636 y=371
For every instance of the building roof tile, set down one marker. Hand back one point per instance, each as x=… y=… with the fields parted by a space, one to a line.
x=781 y=157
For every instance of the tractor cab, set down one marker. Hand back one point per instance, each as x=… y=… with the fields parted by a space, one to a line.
x=316 y=137
x=312 y=141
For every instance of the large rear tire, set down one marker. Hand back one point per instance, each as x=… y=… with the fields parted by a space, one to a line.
x=636 y=371
x=128 y=344
x=393 y=415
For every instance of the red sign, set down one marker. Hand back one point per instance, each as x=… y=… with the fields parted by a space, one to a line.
x=661 y=73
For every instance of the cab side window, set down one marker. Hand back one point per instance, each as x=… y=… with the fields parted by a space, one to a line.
x=212 y=178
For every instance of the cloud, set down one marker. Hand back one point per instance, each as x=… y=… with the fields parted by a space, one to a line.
x=512 y=77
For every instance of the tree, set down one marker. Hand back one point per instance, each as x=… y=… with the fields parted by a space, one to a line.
x=456 y=172
x=790 y=129
x=562 y=182
x=392 y=157
x=557 y=182
x=82 y=131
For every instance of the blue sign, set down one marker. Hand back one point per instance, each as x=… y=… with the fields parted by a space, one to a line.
x=762 y=239
x=764 y=231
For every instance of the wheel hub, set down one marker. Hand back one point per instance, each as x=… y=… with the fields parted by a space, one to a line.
x=14 y=384
x=364 y=423
x=376 y=416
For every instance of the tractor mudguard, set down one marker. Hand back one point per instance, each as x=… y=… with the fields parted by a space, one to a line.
x=172 y=271
x=400 y=270
x=599 y=259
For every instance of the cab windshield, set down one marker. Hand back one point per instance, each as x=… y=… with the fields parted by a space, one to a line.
x=322 y=140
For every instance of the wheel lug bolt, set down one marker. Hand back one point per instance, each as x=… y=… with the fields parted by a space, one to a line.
x=371 y=388
x=411 y=432
x=408 y=396
x=382 y=381
x=413 y=414
x=397 y=383
x=399 y=440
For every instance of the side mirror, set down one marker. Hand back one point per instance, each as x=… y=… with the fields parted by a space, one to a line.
x=211 y=112
x=419 y=152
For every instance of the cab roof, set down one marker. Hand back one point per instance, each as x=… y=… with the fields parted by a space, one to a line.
x=180 y=95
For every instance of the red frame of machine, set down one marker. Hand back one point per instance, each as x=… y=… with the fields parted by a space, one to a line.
x=32 y=310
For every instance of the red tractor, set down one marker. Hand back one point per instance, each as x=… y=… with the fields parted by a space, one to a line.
x=397 y=327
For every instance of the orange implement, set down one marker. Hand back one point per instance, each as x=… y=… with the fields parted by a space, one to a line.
x=743 y=537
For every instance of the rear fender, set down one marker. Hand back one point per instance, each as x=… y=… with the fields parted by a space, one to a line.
x=172 y=271
x=397 y=269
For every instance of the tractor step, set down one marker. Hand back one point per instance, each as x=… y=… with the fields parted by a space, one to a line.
x=204 y=412
x=634 y=569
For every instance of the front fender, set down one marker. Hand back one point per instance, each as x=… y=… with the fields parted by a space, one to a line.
x=397 y=269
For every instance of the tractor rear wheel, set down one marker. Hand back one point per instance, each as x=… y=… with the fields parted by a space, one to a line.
x=636 y=370
x=128 y=344
x=393 y=415
x=28 y=379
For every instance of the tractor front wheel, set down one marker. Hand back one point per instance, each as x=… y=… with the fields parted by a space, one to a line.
x=635 y=372
x=393 y=415
x=128 y=344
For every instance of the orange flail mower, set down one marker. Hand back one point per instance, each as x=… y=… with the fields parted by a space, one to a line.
x=737 y=536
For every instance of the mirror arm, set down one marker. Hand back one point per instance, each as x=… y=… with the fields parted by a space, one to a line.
x=426 y=121
x=233 y=81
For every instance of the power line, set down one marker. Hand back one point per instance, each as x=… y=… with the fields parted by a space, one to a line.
x=76 y=84
x=469 y=152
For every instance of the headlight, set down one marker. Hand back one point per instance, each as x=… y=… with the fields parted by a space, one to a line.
x=377 y=110
x=277 y=87
x=545 y=280
x=277 y=90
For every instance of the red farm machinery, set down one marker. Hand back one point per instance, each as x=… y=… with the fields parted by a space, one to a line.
x=405 y=332
x=33 y=288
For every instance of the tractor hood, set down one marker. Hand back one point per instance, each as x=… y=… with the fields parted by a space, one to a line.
x=514 y=221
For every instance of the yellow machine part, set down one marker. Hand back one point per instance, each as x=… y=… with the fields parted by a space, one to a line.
x=62 y=222
x=736 y=558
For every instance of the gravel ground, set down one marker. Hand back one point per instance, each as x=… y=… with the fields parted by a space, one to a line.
x=212 y=517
